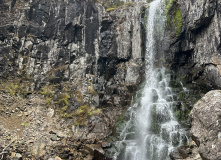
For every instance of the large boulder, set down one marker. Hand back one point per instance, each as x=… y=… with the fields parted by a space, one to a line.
x=206 y=125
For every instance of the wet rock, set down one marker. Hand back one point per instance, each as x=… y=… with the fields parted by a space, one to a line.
x=189 y=152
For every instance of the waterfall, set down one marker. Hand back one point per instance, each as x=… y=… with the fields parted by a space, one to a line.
x=152 y=130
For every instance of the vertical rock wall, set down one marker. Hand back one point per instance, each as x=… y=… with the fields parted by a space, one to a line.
x=195 y=51
x=52 y=42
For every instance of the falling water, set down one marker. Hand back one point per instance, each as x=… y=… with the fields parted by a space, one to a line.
x=152 y=130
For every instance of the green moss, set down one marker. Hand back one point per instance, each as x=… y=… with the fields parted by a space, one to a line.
x=47 y=91
x=169 y=4
x=62 y=111
x=94 y=111
x=129 y=4
x=178 y=21
x=15 y=87
x=174 y=14
x=63 y=99
x=48 y=101
x=110 y=9
x=26 y=124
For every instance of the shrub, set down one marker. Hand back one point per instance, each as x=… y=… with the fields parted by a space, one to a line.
x=47 y=91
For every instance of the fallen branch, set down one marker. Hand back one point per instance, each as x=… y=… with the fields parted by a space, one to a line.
x=3 y=151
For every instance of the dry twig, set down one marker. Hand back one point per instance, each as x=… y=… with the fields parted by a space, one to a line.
x=3 y=151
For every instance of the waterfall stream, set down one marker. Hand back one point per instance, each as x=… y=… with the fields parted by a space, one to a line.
x=152 y=130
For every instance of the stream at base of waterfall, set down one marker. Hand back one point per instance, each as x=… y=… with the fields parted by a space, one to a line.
x=152 y=131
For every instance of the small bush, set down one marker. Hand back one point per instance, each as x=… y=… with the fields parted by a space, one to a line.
x=80 y=115
x=83 y=113
x=63 y=99
x=12 y=88
x=47 y=91
x=15 y=87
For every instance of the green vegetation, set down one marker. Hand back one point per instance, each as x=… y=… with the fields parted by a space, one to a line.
x=12 y=88
x=110 y=9
x=174 y=15
x=26 y=124
x=81 y=115
x=178 y=21
x=129 y=4
x=47 y=91
x=15 y=87
x=63 y=99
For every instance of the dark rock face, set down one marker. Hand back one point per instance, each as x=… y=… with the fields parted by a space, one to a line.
x=68 y=41
x=206 y=125
x=195 y=52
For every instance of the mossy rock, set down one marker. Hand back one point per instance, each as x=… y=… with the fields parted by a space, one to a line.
x=174 y=15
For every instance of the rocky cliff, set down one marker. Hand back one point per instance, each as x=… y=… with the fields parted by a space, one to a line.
x=194 y=37
x=73 y=41
x=75 y=65
x=194 y=52
x=69 y=68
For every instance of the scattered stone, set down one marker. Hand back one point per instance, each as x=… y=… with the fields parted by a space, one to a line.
x=61 y=135
x=56 y=158
x=54 y=137
x=106 y=145
x=94 y=147
x=17 y=156
x=38 y=149
x=50 y=112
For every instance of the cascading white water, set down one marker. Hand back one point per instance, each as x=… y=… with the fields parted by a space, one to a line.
x=152 y=131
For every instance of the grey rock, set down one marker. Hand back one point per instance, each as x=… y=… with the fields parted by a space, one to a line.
x=53 y=137
x=195 y=53
x=50 y=112
x=28 y=45
x=206 y=125
x=18 y=156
